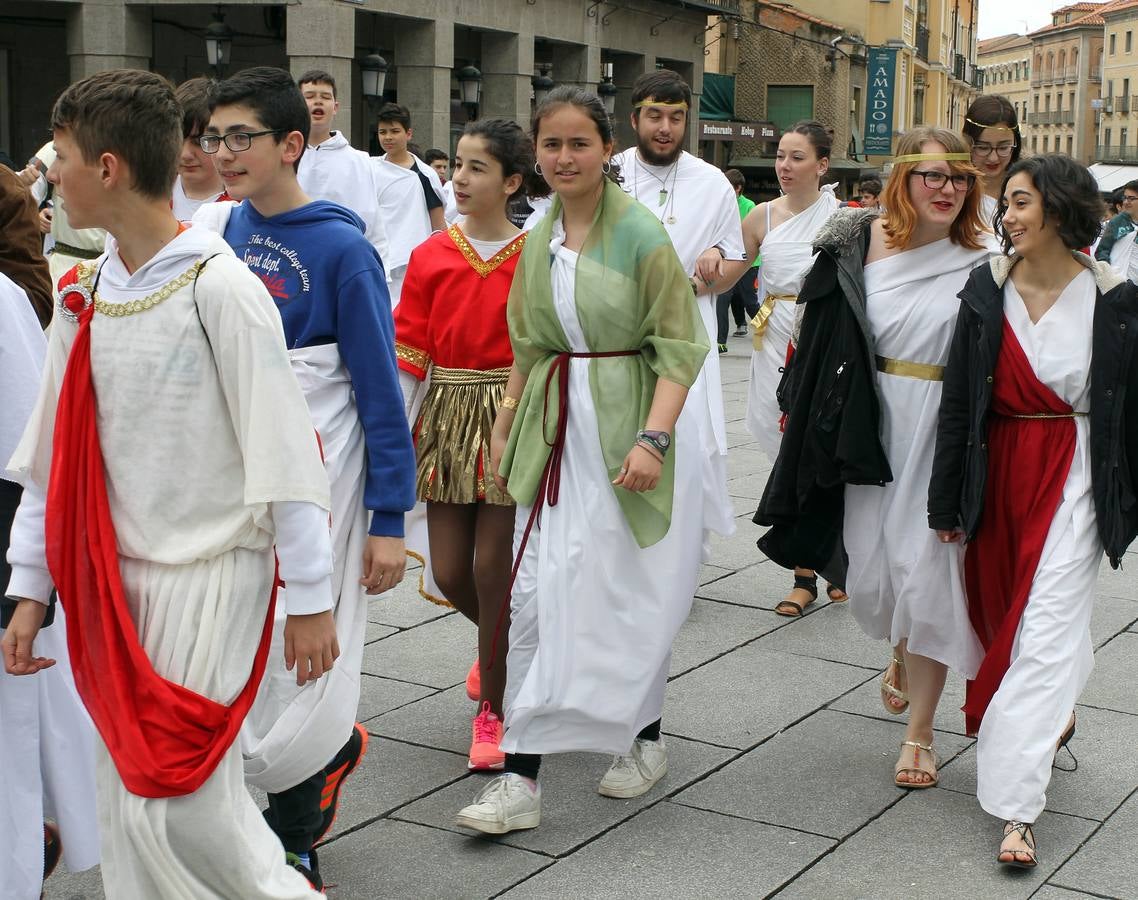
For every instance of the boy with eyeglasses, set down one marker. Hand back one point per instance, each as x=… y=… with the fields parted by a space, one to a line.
x=301 y=740
x=1119 y=226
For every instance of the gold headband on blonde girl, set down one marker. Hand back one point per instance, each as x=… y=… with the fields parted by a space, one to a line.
x=932 y=157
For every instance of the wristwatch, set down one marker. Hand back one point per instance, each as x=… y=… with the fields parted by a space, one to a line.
x=661 y=440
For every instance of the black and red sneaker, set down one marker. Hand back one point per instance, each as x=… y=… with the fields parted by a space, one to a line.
x=336 y=773
x=311 y=872
x=52 y=849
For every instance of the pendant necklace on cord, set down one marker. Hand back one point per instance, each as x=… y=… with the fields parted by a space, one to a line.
x=664 y=196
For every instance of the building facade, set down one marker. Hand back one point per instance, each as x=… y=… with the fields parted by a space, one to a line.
x=1005 y=66
x=1066 y=80
x=1117 y=130
x=45 y=44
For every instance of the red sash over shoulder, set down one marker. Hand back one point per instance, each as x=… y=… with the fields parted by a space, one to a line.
x=1028 y=462
x=165 y=739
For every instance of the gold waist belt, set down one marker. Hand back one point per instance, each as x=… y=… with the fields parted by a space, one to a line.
x=906 y=369
x=439 y=375
x=761 y=319
x=1070 y=415
x=76 y=252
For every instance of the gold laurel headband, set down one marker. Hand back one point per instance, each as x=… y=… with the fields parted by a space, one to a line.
x=933 y=157
x=662 y=104
x=1000 y=126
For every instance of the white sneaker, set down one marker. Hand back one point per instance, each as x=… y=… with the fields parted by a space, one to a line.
x=635 y=772
x=508 y=803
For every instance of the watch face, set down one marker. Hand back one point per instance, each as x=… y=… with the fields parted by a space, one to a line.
x=663 y=438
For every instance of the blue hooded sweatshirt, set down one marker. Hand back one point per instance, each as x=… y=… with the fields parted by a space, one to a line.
x=328 y=284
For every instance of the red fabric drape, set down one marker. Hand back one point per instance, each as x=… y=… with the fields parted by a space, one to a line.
x=165 y=739
x=1028 y=462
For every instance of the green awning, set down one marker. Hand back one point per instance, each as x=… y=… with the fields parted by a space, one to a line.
x=718 y=100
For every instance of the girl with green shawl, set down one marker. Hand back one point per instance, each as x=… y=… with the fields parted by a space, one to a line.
x=592 y=443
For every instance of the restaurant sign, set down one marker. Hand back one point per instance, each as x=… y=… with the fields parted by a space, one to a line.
x=710 y=130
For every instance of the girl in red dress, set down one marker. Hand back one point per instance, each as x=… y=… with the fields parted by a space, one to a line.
x=450 y=326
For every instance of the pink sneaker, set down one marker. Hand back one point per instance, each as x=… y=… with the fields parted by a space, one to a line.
x=474 y=682
x=487 y=735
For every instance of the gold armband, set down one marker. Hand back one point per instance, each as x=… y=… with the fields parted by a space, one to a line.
x=508 y=402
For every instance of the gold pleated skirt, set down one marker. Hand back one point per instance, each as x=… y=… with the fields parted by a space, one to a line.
x=452 y=437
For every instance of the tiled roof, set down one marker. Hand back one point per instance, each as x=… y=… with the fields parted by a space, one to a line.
x=1006 y=42
x=799 y=14
x=1091 y=15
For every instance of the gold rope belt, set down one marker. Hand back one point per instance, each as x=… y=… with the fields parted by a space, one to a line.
x=439 y=375
x=762 y=317
x=906 y=369
x=76 y=252
x=1070 y=415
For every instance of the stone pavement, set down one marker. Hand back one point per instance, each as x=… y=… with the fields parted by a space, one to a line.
x=781 y=760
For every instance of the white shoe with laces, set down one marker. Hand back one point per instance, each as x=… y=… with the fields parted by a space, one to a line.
x=508 y=803
x=635 y=772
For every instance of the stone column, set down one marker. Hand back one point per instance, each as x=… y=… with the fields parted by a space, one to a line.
x=107 y=34
x=626 y=69
x=579 y=65
x=424 y=58
x=507 y=67
x=321 y=34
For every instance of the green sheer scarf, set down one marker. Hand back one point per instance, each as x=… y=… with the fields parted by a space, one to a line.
x=631 y=294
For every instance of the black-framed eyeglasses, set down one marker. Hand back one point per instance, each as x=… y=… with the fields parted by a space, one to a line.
x=236 y=141
x=1003 y=151
x=935 y=180
x=1128 y=198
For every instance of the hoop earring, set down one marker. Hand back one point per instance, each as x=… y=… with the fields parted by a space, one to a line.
x=606 y=167
x=537 y=168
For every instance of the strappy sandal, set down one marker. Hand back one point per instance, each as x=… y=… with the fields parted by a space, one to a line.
x=792 y=608
x=836 y=594
x=1064 y=741
x=1025 y=832
x=889 y=687
x=934 y=776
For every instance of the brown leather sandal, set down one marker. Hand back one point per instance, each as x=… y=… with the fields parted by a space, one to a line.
x=792 y=608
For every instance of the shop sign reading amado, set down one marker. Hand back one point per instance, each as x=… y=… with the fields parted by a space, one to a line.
x=710 y=130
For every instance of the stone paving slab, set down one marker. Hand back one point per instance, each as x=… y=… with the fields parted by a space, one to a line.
x=441 y=720
x=403 y=607
x=1120 y=583
x=747 y=696
x=400 y=859
x=759 y=583
x=713 y=629
x=1111 y=685
x=671 y=851
x=739 y=550
x=866 y=701
x=1048 y=892
x=1106 y=865
x=573 y=813
x=375 y=632
x=935 y=844
x=437 y=653
x=1104 y=743
x=1112 y=616
x=830 y=633
x=776 y=782
x=380 y=695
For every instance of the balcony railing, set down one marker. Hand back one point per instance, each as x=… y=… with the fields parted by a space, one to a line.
x=978 y=79
x=1122 y=104
x=1055 y=117
x=923 y=43
x=1096 y=75
x=1115 y=153
x=712 y=6
x=960 y=67
x=1072 y=74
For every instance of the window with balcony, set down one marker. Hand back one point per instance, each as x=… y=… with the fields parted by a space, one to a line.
x=1106 y=135
x=1125 y=87
x=1070 y=146
x=1035 y=100
x=1047 y=103
x=1034 y=144
x=1044 y=143
x=1071 y=101
x=1123 y=134
x=1058 y=102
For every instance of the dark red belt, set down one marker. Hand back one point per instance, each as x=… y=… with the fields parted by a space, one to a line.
x=549 y=489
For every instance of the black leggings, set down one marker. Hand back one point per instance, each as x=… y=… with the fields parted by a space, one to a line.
x=528 y=764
